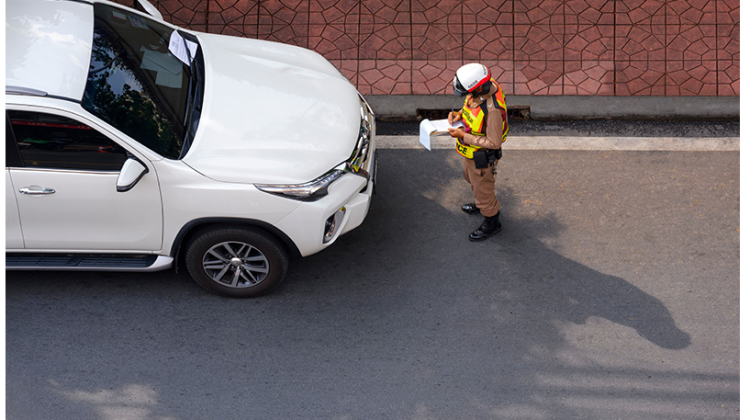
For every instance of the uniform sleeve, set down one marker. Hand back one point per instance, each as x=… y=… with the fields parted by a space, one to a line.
x=496 y=121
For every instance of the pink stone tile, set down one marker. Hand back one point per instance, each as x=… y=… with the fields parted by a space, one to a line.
x=589 y=78
x=334 y=11
x=436 y=12
x=385 y=77
x=589 y=42
x=640 y=78
x=285 y=34
x=284 y=21
x=436 y=42
x=488 y=42
x=539 y=12
x=433 y=77
x=335 y=41
x=590 y=12
x=284 y=12
x=694 y=79
x=385 y=42
x=540 y=47
x=728 y=42
x=233 y=17
x=728 y=12
x=189 y=14
x=233 y=30
x=488 y=12
x=387 y=11
x=691 y=42
x=538 y=43
x=691 y=12
x=703 y=78
x=538 y=78
x=728 y=77
x=639 y=43
x=640 y=12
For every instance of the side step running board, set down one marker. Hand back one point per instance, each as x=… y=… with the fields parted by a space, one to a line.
x=86 y=262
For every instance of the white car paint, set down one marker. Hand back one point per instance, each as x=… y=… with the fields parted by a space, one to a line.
x=267 y=82
x=273 y=114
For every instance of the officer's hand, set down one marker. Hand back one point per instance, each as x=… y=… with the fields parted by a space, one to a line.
x=453 y=117
x=456 y=132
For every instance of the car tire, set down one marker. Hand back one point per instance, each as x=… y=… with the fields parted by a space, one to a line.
x=236 y=262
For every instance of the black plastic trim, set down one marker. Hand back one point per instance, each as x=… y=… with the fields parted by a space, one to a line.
x=196 y=224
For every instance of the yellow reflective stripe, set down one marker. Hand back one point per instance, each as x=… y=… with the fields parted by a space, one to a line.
x=466 y=150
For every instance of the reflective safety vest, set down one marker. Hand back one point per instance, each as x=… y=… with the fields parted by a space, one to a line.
x=474 y=120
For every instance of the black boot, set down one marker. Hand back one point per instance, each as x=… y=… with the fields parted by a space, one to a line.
x=489 y=227
x=470 y=208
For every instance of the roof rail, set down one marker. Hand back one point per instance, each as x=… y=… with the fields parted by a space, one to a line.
x=18 y=90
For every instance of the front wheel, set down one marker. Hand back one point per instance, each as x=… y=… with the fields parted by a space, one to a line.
x=236 y=262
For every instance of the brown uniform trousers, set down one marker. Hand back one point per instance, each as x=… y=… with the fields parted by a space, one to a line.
x=482 y=183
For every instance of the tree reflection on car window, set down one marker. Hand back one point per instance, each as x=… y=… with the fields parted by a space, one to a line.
x=134 y=83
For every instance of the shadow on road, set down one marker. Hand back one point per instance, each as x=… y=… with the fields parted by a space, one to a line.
x=402 y=318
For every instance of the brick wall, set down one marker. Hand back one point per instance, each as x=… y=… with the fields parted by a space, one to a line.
x=533 y=47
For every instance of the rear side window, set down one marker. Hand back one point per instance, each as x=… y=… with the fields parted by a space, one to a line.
x=54 y=142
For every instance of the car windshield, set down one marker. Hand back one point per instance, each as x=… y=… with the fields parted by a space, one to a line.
x=137 y=85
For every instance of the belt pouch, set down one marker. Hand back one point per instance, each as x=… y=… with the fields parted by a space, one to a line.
x=480 y=159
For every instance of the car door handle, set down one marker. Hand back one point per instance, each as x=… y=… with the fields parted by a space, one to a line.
x=43 y=191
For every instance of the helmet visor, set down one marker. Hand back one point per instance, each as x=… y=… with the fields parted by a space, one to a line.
x=458 y=88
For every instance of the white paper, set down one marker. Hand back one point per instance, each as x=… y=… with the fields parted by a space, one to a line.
x=442 y=126
x=168 y=71
x=429 y=128
x=425 y=129
x=177 y=47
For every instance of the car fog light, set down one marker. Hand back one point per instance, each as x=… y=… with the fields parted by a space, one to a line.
x=333 y=224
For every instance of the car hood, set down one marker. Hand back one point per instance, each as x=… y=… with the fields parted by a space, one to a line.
x=272 y=114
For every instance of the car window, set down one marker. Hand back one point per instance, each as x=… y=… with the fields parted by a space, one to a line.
x=135 y=83
x=55 y=142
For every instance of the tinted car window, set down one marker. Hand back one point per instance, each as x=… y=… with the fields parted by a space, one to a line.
x=51 y=141
x=135 y=83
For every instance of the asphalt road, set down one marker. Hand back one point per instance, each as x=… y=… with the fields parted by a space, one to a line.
x=612 y=292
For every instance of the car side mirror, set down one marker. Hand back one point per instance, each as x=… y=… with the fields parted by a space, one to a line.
x=149 y=8
x=132 y=172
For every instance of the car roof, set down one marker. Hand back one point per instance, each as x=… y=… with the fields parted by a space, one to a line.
x=48 y=47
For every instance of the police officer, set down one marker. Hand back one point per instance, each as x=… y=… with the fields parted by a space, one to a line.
x=479 y=142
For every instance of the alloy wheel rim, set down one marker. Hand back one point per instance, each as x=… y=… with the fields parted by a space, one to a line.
x=235 y=264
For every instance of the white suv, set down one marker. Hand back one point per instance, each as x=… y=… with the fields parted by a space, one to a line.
x=132 y=144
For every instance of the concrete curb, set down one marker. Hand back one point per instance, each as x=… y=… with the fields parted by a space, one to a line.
x=573 y=107
x=665 y=144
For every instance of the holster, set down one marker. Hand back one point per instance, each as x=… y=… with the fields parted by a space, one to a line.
x=484 y=158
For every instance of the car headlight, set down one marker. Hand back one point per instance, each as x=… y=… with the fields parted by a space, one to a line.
x=309 y=191
x=318 y=188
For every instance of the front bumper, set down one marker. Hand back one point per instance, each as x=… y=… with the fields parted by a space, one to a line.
x=306 y=225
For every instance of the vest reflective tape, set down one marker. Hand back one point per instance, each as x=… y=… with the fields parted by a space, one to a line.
x=466 y=150
x=474 y=119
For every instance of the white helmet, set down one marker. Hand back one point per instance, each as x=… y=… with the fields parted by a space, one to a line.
x=469 y=77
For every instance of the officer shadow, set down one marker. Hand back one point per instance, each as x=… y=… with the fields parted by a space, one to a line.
x=546 y=286
x=570 y=291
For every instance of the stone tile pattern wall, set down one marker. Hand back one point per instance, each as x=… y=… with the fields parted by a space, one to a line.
x=533 y=47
